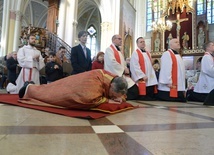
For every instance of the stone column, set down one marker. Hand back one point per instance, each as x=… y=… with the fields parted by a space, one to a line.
x=61 y=19
x=52 y=16
x=140 y=26
x=71 y=22
x=5 y=27
x=11 y=31
x=106 y=32
x=74 y=32
x=17 y=30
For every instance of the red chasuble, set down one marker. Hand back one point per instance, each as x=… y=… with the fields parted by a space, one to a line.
x=173 y=90
x=81 y=91
x=116 y=54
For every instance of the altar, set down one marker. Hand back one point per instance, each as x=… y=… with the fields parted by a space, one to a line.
x=40 y=34
x=179 y=20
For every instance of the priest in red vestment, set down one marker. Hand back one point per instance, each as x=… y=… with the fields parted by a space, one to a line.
x=81 y=91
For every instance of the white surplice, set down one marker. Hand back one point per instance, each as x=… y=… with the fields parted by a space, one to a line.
x=165 y=76
x=206 y=79
x=111 y=65
x=136 y=71
x=25 y=58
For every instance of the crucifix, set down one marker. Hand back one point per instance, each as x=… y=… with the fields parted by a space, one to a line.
x=177 y=22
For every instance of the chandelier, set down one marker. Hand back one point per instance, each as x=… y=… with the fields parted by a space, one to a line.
x=161 y=26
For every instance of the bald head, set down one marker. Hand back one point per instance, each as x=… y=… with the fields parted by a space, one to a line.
x=117 y=40
x=174 y=44
x=209 y=47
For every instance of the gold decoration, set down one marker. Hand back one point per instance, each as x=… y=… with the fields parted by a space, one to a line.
x=175 y=5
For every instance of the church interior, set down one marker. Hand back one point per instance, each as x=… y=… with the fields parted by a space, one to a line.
x=154 y=127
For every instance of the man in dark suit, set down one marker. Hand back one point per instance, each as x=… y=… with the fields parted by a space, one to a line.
x=81 y=55
x=13 y=68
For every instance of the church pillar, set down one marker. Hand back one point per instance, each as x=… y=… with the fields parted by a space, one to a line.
x=111 y=21
x=67 y=21
x=106 y=27
x=11 y=31
x=71 y=22
x=52 y=15
x=140 y=26
x=17 y=30
x=61 y=19
x=5 y=28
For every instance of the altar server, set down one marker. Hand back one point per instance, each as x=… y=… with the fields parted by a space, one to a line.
x=114 y=62
x=171 y=85
x=205 y=82
x=142 y=71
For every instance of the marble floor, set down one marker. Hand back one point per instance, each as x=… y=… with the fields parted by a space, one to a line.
x=157 y=128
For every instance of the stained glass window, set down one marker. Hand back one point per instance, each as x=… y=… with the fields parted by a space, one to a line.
x=206 y=7
x=201 y=7
x=149 y=15
x=153 y=12
x=210 y=11
x=92 y=40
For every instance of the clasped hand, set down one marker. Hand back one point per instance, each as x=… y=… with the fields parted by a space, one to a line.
x=116 y=100
x=36 y=57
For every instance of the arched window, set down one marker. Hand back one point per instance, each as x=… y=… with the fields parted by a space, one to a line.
x=210 y=11
x=201 y=7
x=92 y=40
x=206 y=7
x=149 y=15
x=153 y=11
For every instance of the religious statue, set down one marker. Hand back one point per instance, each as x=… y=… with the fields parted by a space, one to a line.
x=178 y=22
x=168 y=39
x=29 y=29
x=201 y=38
x=24 y=39
x=157 y=43
x=185 y=39
x=37 y=38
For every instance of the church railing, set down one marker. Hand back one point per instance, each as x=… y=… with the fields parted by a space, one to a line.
x=54 y=42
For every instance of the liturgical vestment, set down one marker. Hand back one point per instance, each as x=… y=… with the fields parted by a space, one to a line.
x=80 y=91
x=206 y=79
x=113 y=66
x=136 y=71
x=30 y=67
x=165 y=76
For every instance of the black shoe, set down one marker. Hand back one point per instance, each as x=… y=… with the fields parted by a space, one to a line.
x=23 y=89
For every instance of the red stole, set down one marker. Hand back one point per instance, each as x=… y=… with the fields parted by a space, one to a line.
x=116 y=54
x=142 y=84
x=30 y=75
x=173 y=90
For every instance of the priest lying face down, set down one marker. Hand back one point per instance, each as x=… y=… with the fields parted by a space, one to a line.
x=81 y=91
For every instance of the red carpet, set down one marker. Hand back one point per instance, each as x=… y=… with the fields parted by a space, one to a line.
x=89 y=114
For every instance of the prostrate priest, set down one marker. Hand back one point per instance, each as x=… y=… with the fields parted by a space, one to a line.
x=115 y=63
x=81 y=91
x=171 y=85
x=142 y=71
x=205 y=82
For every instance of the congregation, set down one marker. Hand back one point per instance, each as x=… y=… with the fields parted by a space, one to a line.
x=23 y=69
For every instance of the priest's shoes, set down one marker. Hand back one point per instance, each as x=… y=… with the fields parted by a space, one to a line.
x=23 y=89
